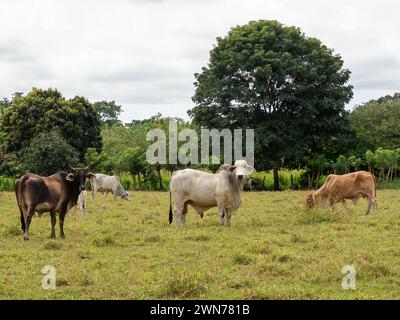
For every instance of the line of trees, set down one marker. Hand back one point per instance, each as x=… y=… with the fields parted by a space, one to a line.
x=384 y=163
x=264 y=75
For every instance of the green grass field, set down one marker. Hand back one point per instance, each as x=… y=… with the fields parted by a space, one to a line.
x=275 y=249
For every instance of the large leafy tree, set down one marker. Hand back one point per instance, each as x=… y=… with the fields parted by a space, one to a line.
x=377 y=123
x=290 y=88
x=47 y=153
x=45 y=110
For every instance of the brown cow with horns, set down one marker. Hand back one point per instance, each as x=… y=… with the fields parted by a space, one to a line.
x=57 y=193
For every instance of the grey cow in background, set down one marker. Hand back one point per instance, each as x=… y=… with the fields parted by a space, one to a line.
x=106 y=184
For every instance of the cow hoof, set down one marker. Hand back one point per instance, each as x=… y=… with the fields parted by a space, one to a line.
x=26 y=238
x=52 y=236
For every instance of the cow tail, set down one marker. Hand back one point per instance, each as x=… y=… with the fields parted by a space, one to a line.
x=19 y=195
x=375 y=184
x=170 y=217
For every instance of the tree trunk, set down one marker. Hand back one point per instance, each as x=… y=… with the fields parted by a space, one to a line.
x=317 y=179
x=133 y=181
x=389 y=174
x=312 y=179
x=160 y=180
x=139 y=183
x=276 y=179
x=158 y=168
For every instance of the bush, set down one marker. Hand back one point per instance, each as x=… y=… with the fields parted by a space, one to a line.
x=7 y=184
x=48 y=153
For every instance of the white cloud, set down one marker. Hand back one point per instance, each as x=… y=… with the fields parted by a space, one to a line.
x=143 y=54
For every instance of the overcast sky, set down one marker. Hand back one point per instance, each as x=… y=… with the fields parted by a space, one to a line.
x=143 y=53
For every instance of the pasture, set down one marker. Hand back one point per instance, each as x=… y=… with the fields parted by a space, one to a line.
x=275 y=249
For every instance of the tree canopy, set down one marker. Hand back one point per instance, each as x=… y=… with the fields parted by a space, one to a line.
x=108 y=112
x=47 y=153
x=290 y=88
x=26 y=116
x=377 y=123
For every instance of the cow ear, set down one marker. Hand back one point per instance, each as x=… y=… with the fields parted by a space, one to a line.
x=91 y=176
x=250 y=169
x=225 y=167
x=232 y=169
x=70 y=177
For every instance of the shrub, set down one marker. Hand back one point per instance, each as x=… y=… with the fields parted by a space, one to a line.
x=7 y=184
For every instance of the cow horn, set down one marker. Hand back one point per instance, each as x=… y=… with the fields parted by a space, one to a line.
x=72 y=168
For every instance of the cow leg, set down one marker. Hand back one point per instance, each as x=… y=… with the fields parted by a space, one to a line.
x=222 y=215
x=53 y=224
x=184 y=212
x=22 y=220
x=332 y=202
x=228 y=216
x=178 y=215
x=30 y=214
x=375 y=203
x=371 y=204
x=343 y=202
x=61 y=222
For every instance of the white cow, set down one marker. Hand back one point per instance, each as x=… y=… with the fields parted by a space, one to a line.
x=82 y=202
x=203 y=190
x=106 y=184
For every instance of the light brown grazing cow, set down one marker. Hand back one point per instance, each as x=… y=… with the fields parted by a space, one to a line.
x=337 y=188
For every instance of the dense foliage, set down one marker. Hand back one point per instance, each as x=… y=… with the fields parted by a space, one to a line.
x=39 y=111
x=290 y=88
x=108 y=111
x=377 y=123
x=47 y=153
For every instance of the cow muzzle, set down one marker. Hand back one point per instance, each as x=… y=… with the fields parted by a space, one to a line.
x=240 y=177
